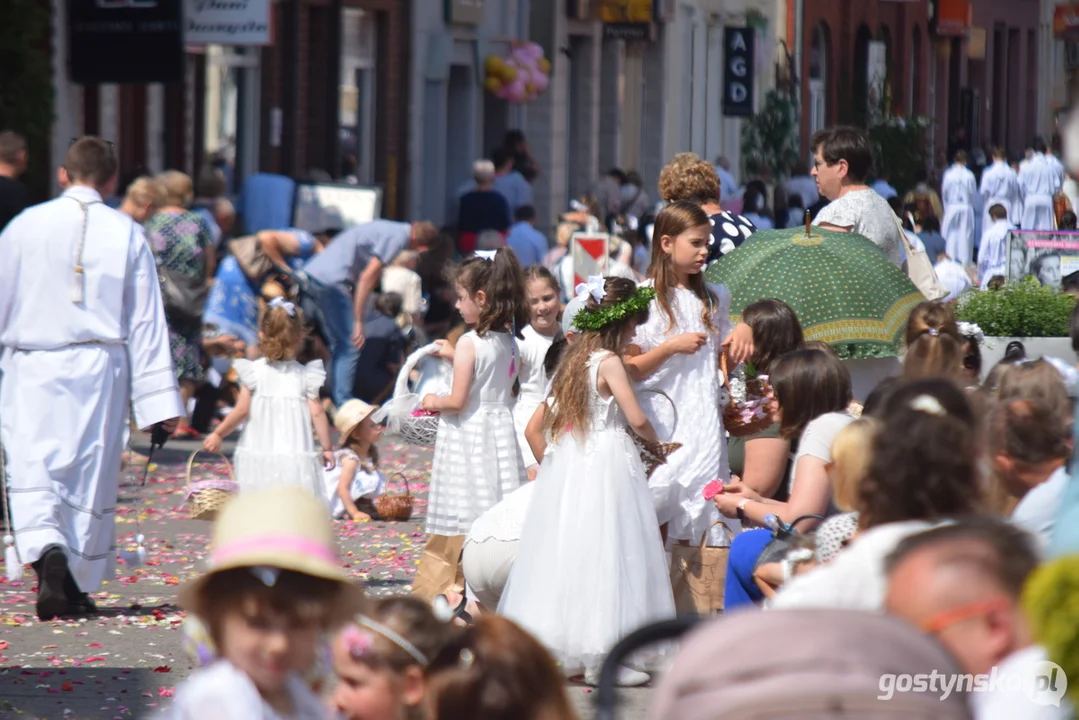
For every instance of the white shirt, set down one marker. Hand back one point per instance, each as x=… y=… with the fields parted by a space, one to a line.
x=1000 y=182
x=958 y=187
x=1038 y=178
x=406 y=283
x=1000 y=703
x=993 y=256
x=222 y=692
x=1037 y=511
x=122 y=295
x=953 y=276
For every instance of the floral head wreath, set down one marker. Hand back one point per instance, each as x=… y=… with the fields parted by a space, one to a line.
x=603 y=316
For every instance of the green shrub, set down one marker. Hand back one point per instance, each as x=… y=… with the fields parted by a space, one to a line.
x=1024 y=309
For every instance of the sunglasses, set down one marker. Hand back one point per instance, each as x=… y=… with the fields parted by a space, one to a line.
x=956 y=615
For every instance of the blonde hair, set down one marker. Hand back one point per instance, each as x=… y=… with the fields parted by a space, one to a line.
x=281 y=333
x=146 y=192
x=178 y=188
x=852 y=452
x=688 y=177
x=672 y=221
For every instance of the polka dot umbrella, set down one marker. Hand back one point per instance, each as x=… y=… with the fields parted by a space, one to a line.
x=844 y=289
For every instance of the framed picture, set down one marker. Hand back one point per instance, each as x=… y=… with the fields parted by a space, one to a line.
x=1047 y=256
x=336 y=206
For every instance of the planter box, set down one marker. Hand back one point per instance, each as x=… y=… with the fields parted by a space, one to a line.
x=994 y=347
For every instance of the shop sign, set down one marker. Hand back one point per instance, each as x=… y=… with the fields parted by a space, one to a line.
x=227 y=22
x=738 y=71
x=464 y=12
x=125 y=41
x=627 y=19
x=953 y=18
x=1066 y=20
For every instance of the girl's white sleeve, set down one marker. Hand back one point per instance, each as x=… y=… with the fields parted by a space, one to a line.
x=314 y=378
x=248 y=372
x=722 y=315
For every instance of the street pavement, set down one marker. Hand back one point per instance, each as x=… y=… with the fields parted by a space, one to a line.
x=127 y=662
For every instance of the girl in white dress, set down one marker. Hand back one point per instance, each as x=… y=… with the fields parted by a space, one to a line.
x=677 y=352
x=590 y=564
x=356 y=477
x=477 y=461
x=542 y=292
x=279 y=400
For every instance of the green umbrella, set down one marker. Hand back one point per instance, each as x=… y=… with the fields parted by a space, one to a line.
x=844 y=289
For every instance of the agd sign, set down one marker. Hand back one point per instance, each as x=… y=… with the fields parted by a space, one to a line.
x=738 y=71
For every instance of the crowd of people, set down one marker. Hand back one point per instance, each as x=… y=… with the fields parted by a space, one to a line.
x=934 y=499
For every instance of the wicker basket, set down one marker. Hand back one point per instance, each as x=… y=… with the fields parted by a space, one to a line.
x=415 y=430
x=396 y=508
x=654 y=454
x=206 y=498
x=734 y=416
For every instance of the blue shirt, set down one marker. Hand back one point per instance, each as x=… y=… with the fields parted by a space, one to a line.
x=483 y=210
x=934 y=244
x=528 y=242
x=516 y=190
x=266 y=202
x=349 y=253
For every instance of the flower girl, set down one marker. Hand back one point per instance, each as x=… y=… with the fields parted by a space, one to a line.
x=356 y=480
x=590 y=565
x=281 y=397
x=477 y=461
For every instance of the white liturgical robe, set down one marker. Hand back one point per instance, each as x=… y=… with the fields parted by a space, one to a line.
x=1000 y=186
x=957 y=191
x=1039 y=182
x=993 y=257
x=72 y=370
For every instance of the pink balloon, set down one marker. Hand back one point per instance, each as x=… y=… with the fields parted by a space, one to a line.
x=515 y=91
x=540 y=82
x=535 y=50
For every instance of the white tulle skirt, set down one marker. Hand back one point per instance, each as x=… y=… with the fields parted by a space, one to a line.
x=590 y=564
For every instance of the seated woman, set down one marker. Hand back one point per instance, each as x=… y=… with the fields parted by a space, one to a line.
x=811 y=394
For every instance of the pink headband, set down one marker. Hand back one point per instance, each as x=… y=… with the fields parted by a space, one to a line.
x=275 y=543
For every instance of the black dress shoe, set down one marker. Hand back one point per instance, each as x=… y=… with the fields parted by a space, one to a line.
x=81 y=604
x=52 y=601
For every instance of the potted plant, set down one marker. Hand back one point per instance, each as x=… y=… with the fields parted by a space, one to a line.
x=1034 y=314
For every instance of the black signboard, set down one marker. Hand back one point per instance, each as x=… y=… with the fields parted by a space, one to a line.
x=125 y=41
x=738 y=71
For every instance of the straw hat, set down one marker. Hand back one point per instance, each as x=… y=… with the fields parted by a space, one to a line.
x=351 y=414
x=283 y=527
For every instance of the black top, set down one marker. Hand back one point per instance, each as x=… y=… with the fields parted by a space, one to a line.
x=733 y=229
x=14 y=198
x=383 y=346
x=483 y=210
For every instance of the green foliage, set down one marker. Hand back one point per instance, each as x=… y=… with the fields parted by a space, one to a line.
x=1024 y=309
x=1051 y=602
x=900 y=149
x=770 y=138
x=26 y=81
x=605 y=315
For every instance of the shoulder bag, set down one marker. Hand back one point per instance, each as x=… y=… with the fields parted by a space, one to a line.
x=249 y=255
x=920 y=268
x=184 y=296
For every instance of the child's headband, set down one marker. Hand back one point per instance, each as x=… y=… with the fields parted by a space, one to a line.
x=359 y=642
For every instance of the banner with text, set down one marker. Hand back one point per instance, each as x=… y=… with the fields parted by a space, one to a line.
x=227 y=22
x=1047 y=256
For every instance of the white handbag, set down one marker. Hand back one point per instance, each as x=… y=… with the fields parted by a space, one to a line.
x=920 y=269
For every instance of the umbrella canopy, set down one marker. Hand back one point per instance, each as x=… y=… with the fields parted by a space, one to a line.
x=844 y=289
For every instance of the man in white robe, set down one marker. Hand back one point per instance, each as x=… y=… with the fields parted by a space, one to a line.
x=1039 y=182
x=957 y=190
x=83 y=334
x=1000 y=186
x=993 y=258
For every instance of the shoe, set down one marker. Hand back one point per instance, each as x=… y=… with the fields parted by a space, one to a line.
x=52 y=601
x=78 y=603
x=623 y=677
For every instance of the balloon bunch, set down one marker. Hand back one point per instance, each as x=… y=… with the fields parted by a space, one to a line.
x=519 y=76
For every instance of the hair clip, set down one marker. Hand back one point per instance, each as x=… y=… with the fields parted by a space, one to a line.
x=932 y=332
x=593 y=287
x=466 y=659
x=928 y=404
x=357 y=642
x=267 y=575
x=488 y=255
x=288 y=307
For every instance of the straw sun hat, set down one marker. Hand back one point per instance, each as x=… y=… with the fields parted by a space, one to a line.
x=350 y=415
x=280 y=527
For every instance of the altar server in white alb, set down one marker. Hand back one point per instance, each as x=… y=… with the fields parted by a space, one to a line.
x=82 y=329
x=1000 y=186
x=993 y=256
x=957 y=190
x=1039 y=182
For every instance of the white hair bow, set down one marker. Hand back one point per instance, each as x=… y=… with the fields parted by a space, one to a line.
x=280 y=302
x=593 y=287
x=488 y=255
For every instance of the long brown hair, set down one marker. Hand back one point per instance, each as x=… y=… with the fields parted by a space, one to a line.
x=502 y=282
x=808 y=384
x=494 y=670
x=571 y=384
x=672 y=221
x=281 y=333
x=776 y=331
x=934 y=345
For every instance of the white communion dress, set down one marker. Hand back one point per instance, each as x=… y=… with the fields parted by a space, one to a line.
x=477 y=461
x=366 y=483
x=590 y=564
x=531 y=353
x=693 y=384
x=278 y=445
